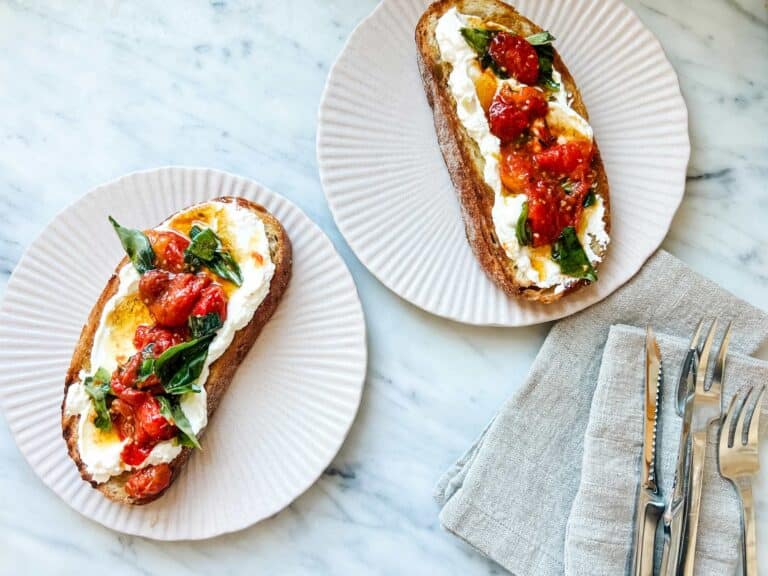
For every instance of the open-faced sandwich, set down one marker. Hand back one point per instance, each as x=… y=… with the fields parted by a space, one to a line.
x=516 y=139
x=164 y=340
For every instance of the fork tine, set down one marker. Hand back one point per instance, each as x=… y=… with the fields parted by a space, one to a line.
x=727 y=426
x=718 y=375
x=742 y=417
x=696 y=334
x=701 y=373
x=754 y=425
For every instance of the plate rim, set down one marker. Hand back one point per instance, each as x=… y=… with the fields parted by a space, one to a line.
x=144 y=529
x=333 y=73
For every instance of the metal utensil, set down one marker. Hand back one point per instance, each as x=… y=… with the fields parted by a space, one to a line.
x=674 y=517
x=707 y=409
x=739 y=460
x=650 y=504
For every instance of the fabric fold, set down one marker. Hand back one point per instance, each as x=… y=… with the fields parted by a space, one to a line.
x=599 y=532
x=511 y=494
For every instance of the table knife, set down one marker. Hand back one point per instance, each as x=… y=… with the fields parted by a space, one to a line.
x=650 y=505
x=676 y=510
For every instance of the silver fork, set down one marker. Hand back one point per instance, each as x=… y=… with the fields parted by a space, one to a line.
x=739 y=461
x=707 y=411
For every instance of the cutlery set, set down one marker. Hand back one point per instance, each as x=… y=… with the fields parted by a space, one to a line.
x=699 y=405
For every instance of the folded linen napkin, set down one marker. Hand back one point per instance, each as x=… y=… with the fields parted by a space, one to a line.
x=511 y=494
x=599 y=534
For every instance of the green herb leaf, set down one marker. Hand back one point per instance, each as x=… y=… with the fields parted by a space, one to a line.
x=589 y=199
x=567 y=186
x=206 y=250
x=204 y=245
x=568 y=252
x=540 y=38
x=478 y=39
x=180 y=366
x=226 y=267
x=523 y=228
x=172 y=412
x=546 y=55
x=136 y=245
x=97 y=387
x=204 y=325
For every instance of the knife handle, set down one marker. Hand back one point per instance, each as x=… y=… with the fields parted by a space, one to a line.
x=646 y=521
x=698 y=453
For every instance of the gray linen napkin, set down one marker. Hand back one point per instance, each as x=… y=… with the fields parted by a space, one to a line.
x=599 y=534
x=511 y=494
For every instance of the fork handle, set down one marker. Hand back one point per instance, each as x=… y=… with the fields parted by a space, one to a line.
x=698 y=454
x=749 y=540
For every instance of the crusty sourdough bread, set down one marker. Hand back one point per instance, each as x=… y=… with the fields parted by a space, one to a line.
x=221 y=371
x=462 y=155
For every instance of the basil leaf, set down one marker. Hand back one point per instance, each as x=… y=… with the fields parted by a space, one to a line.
x=478 y=39
x=206 y=249
x=589 y=199
x=180 y=366
x=97 y=387
x=540 y=38
x=175 y=415
x=569 y=254
x=546 y=55
x=523 y=227
x=204 y=245
x=136 y=245
x=567 y=186
x=487 y=62
x=226 y=267
x=204 y=325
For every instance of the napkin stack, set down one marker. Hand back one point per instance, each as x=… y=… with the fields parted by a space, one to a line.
x=549 y=486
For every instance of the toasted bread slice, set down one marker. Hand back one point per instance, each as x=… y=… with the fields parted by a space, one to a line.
x=221 y=371
x=462 y=155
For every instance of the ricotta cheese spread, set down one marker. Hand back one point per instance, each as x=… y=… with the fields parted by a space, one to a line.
x=532 y=266
x=100 y=451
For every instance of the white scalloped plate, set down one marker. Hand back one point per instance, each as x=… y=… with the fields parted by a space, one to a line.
x=390 y=192
x=287 y=411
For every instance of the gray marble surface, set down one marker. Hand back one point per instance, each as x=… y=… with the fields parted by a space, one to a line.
x=95 y=89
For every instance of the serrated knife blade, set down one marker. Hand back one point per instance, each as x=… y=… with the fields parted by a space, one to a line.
x=649 y=505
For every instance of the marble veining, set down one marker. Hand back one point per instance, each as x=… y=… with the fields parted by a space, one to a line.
x=95 y=89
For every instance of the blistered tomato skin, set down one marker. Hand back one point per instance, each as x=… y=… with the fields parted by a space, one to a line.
x=516 y=56
x=564 y=159
x=149 y=481
x=160 y=338
x=556 y=179
x=212 y=300
x=171 y=297
x=512 y=112
x=169 y=249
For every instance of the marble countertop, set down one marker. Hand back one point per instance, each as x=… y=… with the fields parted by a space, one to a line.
x=95 y=89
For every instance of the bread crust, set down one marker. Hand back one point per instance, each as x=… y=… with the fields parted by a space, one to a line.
x=462 y=155
x=221 y=371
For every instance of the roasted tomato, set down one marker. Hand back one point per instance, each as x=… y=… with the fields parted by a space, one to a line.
x=518 y=173
x=124 y=380
x=149 y=481
x=512 y=112
x=169 y=249
x=160 y=338
x=213 y=299
x=516 y=56
x=171 y=297
x=565 y=159
x=150 y=427
x=123 y=418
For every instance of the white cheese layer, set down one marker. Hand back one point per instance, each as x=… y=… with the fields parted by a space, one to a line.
x=250 y=247
x=507 y=207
